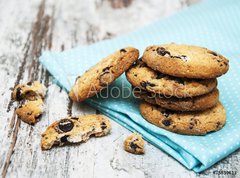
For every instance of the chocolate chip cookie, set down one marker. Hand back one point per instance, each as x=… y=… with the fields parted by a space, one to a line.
x=185 y=61
x=142 y=76
x=134 y=143
x=30 y=111
x=75 y=130
x=190 y=123
x=29 y=91
x=103 y=73
x=196 y=103
x=30 y=95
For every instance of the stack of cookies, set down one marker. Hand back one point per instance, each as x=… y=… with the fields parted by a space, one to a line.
x=179 y=87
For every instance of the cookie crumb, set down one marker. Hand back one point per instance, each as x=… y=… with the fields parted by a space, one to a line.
x=30 y=111
x=134 y=143
x=29 y=91
x=31 y=96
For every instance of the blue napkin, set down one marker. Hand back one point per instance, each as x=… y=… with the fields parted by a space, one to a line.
x=213 y=24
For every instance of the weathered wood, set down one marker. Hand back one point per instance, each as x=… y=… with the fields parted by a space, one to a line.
x=28 y=28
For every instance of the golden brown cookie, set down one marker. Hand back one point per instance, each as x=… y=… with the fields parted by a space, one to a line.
x=29 y=91
x=134 y=143
x=30 y=111
x=141 y=76
x=188 y=61
x=103 y=73
x=190 y=123
x=75 y=130
x=196 y=103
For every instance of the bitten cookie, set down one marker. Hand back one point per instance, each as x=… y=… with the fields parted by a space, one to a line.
x=75 y=130
x=29 y=91
x=190 y=123
x=134 y=143
x=185 y=61
x=140 y=75
x=103 y=73
x=30 y=111
x=196 y=103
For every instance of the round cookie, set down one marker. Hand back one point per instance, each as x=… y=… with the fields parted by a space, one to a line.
x=75 y=130
x=103 y=73
x=140 y=75
x=185 y=61
x=196 y=103
x=30 y=111
x=190 y=123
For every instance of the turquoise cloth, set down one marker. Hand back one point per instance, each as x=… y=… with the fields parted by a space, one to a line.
x=214 y=24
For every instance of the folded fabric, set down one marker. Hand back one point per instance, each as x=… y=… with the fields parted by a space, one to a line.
x=213 y=24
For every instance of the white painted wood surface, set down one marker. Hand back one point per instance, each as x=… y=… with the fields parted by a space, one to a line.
x=27 y=28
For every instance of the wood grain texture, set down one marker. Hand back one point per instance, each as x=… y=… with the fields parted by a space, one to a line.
x=28 y=28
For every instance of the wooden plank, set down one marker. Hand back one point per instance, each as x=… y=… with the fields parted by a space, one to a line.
x=63 y=25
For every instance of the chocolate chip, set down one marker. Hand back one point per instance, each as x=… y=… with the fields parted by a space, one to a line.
x=151 y=84
x=167 y=112
x=213 y=53
x=64 y=139
x=106 y=72
x=106 y=68
x=65 y=125
x=194 y=121
x=30 y=94
x=19 y=94
x=134 y=146
x=218 y=124
x=29 y=113
x=226 y=63
x=191 y=126
x=29 y=83
x=162 y=52
x=123 y=50
x=167 y=122
x=145 y=84
x=103 y=125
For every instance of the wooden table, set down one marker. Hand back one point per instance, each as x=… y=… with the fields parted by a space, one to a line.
x=28 y=28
